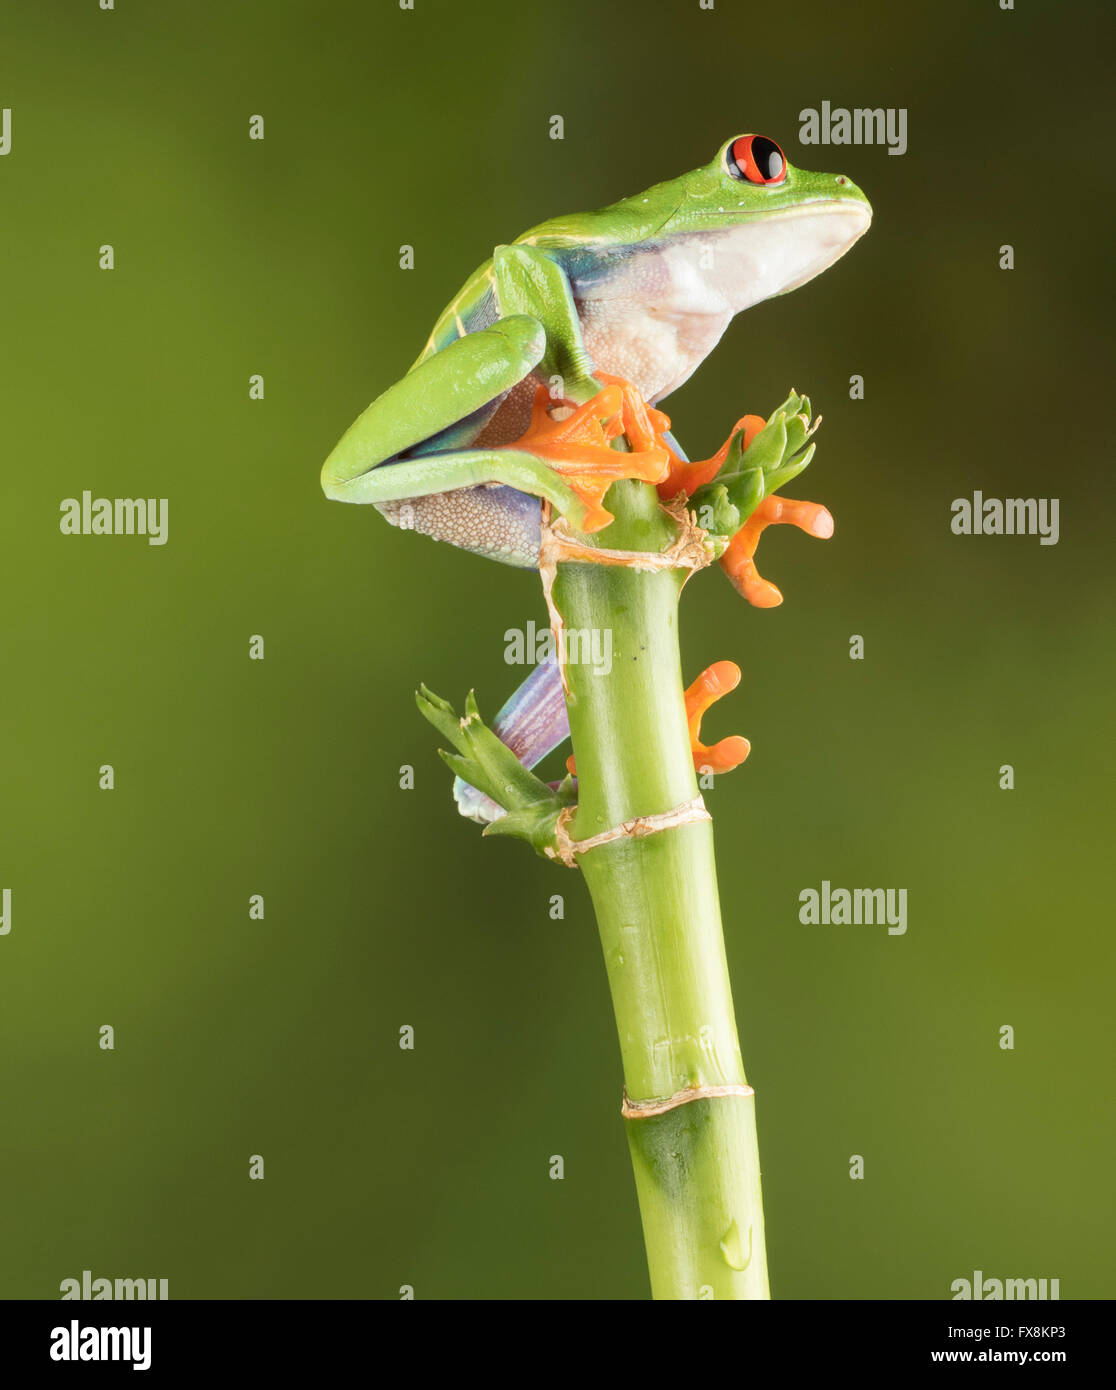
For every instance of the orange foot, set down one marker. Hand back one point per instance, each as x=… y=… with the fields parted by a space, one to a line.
x=688 y=477
x=738 y=560
x=578 y=447
x=714 y=681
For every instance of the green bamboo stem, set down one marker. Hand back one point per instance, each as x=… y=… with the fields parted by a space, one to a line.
x=696 y=1165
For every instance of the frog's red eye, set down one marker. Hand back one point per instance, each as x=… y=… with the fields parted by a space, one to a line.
x=756 y=159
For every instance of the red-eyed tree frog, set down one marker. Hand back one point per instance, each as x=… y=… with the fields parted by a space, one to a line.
x=630 y=298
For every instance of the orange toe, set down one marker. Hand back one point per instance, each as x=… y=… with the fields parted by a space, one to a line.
x=714 y=681
x=738 y=561
x=688 y=477
x=640 y=422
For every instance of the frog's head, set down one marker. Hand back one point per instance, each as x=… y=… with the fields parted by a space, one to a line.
x=770 y=227
x=744 y=227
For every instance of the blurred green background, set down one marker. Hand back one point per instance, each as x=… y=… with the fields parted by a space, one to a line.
x=234 y=777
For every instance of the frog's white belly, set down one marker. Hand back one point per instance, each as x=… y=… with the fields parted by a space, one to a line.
x=654 y=312
x=655 y=348
x=656 y=315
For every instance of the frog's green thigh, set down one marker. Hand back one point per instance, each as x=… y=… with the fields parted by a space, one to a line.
x=440 y=392
x=443 y=391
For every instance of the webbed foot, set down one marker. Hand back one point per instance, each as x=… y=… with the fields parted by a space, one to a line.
x=579 y=447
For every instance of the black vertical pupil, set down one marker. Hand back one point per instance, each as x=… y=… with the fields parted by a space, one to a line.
x=767 y=156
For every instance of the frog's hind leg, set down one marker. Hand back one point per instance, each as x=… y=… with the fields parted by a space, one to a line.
x=421 y=439
x=531 y=723
x=431 y=403
x=413 y=442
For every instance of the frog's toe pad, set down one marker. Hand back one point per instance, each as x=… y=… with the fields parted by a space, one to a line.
x=816 y=520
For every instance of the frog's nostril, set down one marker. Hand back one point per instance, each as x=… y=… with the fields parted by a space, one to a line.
x=841 y=178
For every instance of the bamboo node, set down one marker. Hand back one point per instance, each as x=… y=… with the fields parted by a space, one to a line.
x=646 y=1109
x=636 y=828
x=688 y=551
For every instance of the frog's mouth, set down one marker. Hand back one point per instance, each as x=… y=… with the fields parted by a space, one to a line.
x=762 y=255
x=837 y=225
